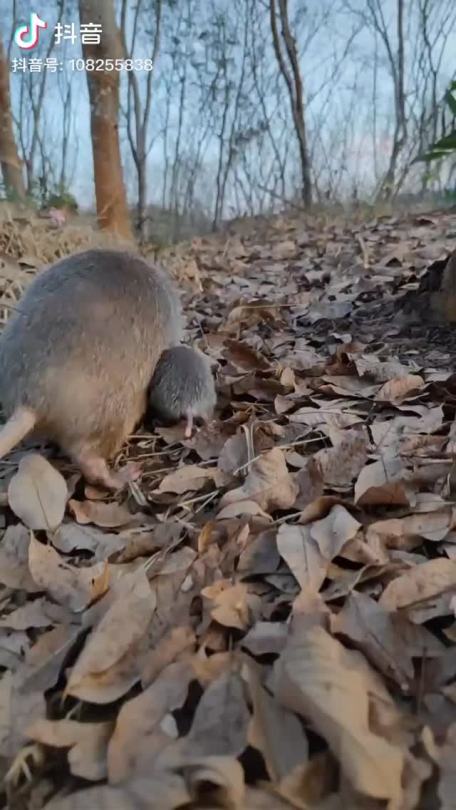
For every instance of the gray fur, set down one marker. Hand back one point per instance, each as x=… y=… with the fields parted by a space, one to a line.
x=182 y=381
x=84 y=344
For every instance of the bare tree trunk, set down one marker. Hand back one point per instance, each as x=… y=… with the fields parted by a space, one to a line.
x=36 y=104
x=260 y=92
x=221 y=138
x=292 y=76
x=388 y=187
x=9 y=157
x=234 y=124
x=67 y=110
x=175 y=172
x=103 y=86
x=164 y=200
x=137 y=111
x=400 y=129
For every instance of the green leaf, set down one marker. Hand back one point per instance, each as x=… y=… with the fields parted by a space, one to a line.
x=447 y=144
x=450 y=99
x=435 y=155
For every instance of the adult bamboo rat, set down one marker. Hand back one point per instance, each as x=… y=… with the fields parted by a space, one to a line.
x=77 y=357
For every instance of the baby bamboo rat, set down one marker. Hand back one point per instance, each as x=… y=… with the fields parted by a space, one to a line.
x=182 y=386
x=77 y=357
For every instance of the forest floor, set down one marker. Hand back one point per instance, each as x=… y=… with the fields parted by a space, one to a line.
x=267 y=619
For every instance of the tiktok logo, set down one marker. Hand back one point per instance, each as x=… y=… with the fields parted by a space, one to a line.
x=27 y=36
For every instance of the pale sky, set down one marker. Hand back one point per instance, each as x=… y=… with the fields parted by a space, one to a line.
x=325 y=110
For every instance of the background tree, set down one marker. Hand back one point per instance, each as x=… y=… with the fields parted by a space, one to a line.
x=103 y=86
x=396 y=62
x=287 y=59
x=138 y=106
x=9 y=157
x=252 y=105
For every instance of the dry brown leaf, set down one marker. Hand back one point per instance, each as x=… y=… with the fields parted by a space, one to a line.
x=393 y=434
x=285 y=249
x=368 y=551
x=116 y=681
x=120 y=628
x=310 y=483
x=334 y=531
x=42 y=663
x=175 y=594
x=177 y=562
x=243 y=507
x=71 y=537
x=302 y=555
x=283 y=404
x=265 y=637
x=190 y=478
x=39 y=613
x=221 y=719
x=174 y=645
x=11 y=650
x=208 y=441
x=389 y=640
x=268 y=483
x=313 y=417
x=18 y=707
x=209 y=534
x=383 y=482
x=38 y=494
x=320 y=680
x=211 y=779
x=72 y=587
x=421 y=583
x=14 y=569
x=410 y=531
x=399 y=388
x=168 y=790
x=87 y=742
x=233 y=455
x=319 y=508
x=276 y=732
x=106 y=515
x=265 y=799
x=230 y=605
x=370 y=366
x=339 y=465
x=140 y=718
x=312 y=784
x=244 y=357
x=346 y=386
x=260 y=556
x=207 y=668
x=306 y=359
x=13 y=645
x=140 y=543
x=445 y=757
